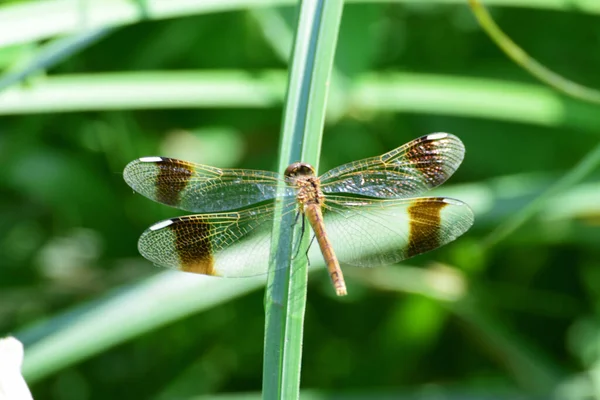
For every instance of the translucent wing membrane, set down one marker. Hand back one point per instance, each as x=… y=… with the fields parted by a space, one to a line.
x=373 y=232
x=234 y=244
x=370 y=211
x=404 y=172
x=364 y=232
x=200 y=188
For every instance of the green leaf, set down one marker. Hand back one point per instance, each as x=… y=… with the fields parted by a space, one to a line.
x=50 y=18
x=304 y=116
x=122 y=315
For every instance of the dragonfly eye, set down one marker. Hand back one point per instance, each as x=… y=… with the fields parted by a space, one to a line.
x=299 y=169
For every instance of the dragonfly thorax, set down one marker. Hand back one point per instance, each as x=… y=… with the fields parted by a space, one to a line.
x=302 y=176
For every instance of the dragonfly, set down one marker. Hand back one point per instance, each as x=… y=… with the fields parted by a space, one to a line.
x=364 y=213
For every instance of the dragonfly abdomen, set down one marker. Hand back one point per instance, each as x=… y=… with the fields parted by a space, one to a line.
x=315 y=218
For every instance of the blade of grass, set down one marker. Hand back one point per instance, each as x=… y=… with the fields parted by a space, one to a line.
x=49 y=18
x=588 y=164
x=275 y=31
x=447 y=285
x=472 y=97
x=54 y=53
x=196 y=89
x=122 y=315
x=521 y=357
x=57 y=17
x=304 y=115
x=424 y=392
x=518 y=55
x=408 y=92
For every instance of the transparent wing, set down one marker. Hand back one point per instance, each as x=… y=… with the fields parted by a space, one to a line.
x=233 y=244
x=372 y=232
x=200 y=188
x=363 y=232
x=404 y=172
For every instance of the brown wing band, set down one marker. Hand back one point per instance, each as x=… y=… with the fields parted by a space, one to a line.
x=194 y=248
x=424 y=156
x=425 y=224
x=171 y=182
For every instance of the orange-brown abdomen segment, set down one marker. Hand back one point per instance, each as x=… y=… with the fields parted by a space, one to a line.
x=315 y=218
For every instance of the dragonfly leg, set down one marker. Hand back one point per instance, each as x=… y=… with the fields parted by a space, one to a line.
x=296 y=220
x=308 y=248
x=301 y=234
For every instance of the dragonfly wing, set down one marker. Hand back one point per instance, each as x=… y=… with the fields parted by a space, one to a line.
x=233 y=244
x=201 y=188
x=372 y=232
x=404 y=172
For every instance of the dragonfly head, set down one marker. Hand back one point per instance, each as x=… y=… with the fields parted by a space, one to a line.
x=297 y=170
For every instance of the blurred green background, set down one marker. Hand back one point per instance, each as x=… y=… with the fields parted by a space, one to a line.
x=204 y=81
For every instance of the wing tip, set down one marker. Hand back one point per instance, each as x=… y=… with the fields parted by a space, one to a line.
x=454 y=202
x=129 y=172
x=438 y=135
x=161 y=224
x=150 y=159
x=468 y=216
x=445 y=135
x=142 y=160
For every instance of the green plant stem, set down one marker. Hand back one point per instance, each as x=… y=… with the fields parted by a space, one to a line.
x=53 y=54
x=59 y=17
x=583 y=168
x=120 y=316
x=518 y=55
x=304 y=116
x=448 y=285
x=395 y=92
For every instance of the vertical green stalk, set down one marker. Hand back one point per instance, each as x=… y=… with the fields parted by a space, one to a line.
x=302 y=129
x=54 y=53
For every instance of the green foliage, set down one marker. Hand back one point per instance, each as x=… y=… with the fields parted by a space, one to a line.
x=206 y=82
x=301 y=136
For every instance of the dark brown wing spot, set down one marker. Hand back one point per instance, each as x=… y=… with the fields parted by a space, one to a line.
x=426 y=156
x=425 y=224
x=172 y=179
x=192 y=241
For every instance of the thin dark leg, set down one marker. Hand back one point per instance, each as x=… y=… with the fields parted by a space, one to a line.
x=301 y=234
x=308 y=248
